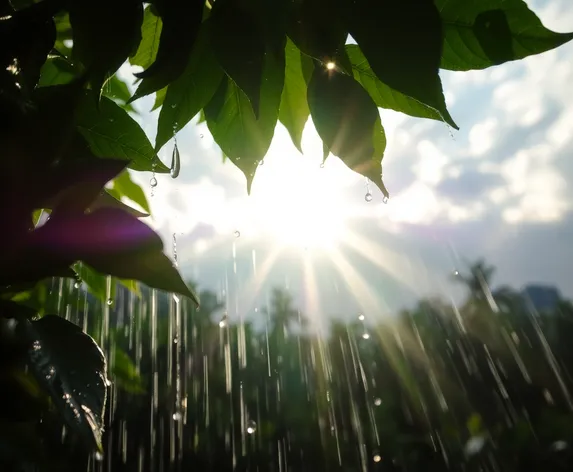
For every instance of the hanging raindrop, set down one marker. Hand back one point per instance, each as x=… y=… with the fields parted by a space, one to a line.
x=153 y=182
x=175 y=162
x=110 y=301
x=201 y=135
x=237 y=234
x=368 y=197
x=322 y=165
x=251 y=427
x=376 y=457
x=261 y=162
x=361 y=317
x=366 y=336
x=177 y=416
x=377 y=401
x=385 y=199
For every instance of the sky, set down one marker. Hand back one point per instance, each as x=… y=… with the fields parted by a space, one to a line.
x=498 y=188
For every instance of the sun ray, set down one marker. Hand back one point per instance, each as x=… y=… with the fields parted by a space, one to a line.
x=355 y=282
x=391 y=263
x=254 y=285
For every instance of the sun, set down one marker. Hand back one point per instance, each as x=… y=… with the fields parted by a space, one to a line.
x=297 y=202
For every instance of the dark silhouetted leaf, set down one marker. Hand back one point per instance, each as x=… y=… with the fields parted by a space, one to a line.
x=105 y=33
x=483 y=33
x=243 y=138
x=181 y=23
x=385 y=97
x=316 y=29
x=190 y=92
x=112 y=242
x=293 y=111
x=106 y=200
x=128 y=188
x=239 y=46
x=149 y=45
x=348 y=122
x=71 y=367
x=74 y=186
x=112 y=133
x=402 y=41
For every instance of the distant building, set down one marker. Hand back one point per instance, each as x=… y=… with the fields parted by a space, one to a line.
x=542 y=298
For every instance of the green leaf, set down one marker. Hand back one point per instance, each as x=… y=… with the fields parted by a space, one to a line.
x=71 y=367
x=105 y=33
x=386 y=97
x=348 y=122
x=56 y=71
x=190 y=92
x=242 y=137
x=482 y=33
x=402 y=41
x=239 y=46
x=96 y=282
x=475 y=424
x=131 y=285
x=129 y=189
x=124 y=373
x=149 y=45
x=159 y=98
x=293 y=111
x=181 y=24
x=112 y=133
x=117 y=90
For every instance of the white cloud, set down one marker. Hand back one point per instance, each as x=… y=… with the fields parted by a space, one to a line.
x=482 y=136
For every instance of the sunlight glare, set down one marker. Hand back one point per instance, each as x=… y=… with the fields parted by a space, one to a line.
x=298 y=203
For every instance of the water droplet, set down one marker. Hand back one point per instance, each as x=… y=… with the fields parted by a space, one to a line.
x=36 y=345
x=376 y=457
x=456 y=272
x=77 y=285
x=201 y=136
x=385 y=199
x=361 y=317
x=251 y=427
x=368 y=197
x=237 y=234
x=174 y=105
x=322 y=165
x=222 y=323
x=177 y=416
x=110 y=301
x=98 y=456
x=175 y=162
x=261 y=162
x=175 y=340
x=377 y=401
x=559 y=445
x=366 y=336
x=153 y=182
x=474 y=445
x=330 y=65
